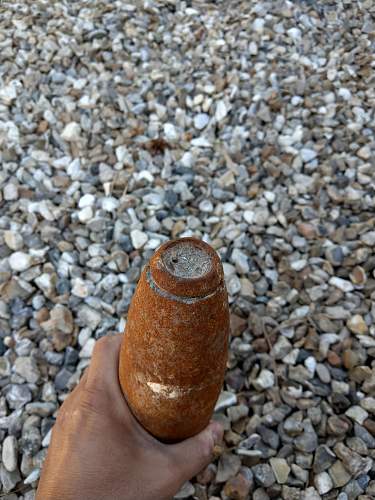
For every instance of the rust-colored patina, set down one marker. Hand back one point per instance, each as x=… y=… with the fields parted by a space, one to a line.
x=174 y=350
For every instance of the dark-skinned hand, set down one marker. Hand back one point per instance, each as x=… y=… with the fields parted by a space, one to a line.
x=99 y=451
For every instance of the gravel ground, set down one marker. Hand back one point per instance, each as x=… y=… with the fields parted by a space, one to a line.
x=248 y=124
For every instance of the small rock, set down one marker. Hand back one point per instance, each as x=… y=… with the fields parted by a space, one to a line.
x=357 y=325
x=368 y=404
x=323 y=483
x=364 y=153
x=364 y=434
x=40 y=408
x=89 y=317
x=353 y=462
x=264 y=475
x=339 y=474
x=5 y=367
x=221 y=111
x=60 y=326
x=369 y=238
x=10 y=192
x=13 y=240
x=281 y=469
x=201 y=121
x=87 y=349
x=80 y=288
x=350 y=359
x=233 y=285
x=20 y=261
x=335 y=255
x=342 y=496
x=323 y=459
x=308 y=440
x=9 y=479
x=310 y=494
x=186 y=491
x=240 y=260
x=85 y=214
x=206 y=206
x=9 y=453
x=71 y=132
x=358 y=276
x=18 y=395
x=343 y=285
x=33 y=476
x=307 y=154
x=229 y=466
x=249 y=216
x=323 y=373
x=139 y=238
x=226 y=399
x=265 y=380
x=357 y=414
x=235 y=413
x=171 y=132
x=87 y=200
x=239 y=486
x=259 y=494
x=62 y=379
x=353 y=490
x=27 y=368
x=109 y=203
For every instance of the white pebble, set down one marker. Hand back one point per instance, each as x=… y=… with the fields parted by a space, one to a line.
x=80 y=289
x=87 y=349
x=9 y=453
x=323 y=483
x=253 y=49
x=345 y=94
x=10 y=192
x=341 y=284
x=20 y=261
x=265 y=380
x=85 y=214
x=139 y=238
x=310 y=364
x=170 y=132
x=226 y=399
x=233 y=285
x=13 y=240
x=221 y=111
x=87 y=200
x=308 y=154
x=206 y=206
x=32 y=477
x=110 y=204
x=187 y=160
x=201 y=142
x=294 y=33
x=249 y=216
x=71 y=132
x=258 y=25
x=201 y=121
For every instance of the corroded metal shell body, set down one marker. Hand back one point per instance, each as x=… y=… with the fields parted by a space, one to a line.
x=174 y=351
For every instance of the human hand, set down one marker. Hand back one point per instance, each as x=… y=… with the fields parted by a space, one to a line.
x=99 y=451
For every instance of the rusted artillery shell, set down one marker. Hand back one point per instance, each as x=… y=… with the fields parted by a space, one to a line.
x=174 y=351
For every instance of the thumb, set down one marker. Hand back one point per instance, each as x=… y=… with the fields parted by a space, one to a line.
x=193 y=454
